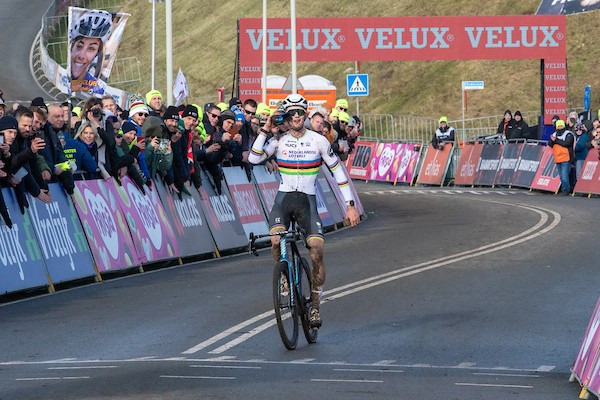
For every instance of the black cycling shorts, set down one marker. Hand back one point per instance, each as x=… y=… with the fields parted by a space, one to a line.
x=300 y=206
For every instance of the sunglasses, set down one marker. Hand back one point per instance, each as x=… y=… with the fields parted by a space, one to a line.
x=342 y=109
x=213 y=115
x=119 y=136
x=249 y=112
x=295 y=112
x=141 y=114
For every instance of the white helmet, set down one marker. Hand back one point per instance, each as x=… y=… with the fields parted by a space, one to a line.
x=93 y=24
x=294 y=100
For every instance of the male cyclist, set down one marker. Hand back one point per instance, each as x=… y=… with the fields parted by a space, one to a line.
x=299 y=154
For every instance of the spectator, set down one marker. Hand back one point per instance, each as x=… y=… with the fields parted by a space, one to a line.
x=594 y=141
x=506 y=125
x=109 y=161
x=130 y=146
x=138 y=112
x=443 y=134
x=562 y=142
x=210 y=119
x=8 y=132
x=342 y=105
x=315 y=120
x=2 y=108
x=24 y=161
x=224 y=141
x=155 y=103
x=235 y=102
x=571 y=121
x=171 y=120
x=328 y=132
x=520 y=129
x=158 y=152
x=581 y=149
x=351 y=133
x=82 y=151
x=53 y=153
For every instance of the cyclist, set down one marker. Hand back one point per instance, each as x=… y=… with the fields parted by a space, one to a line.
x=299 y=154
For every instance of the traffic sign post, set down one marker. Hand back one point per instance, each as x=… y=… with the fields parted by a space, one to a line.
x=468 y=85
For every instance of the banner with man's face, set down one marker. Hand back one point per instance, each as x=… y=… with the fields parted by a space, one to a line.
x=94 y=38
x=567 y=6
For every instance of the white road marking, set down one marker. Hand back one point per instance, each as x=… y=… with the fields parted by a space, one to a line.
x=84 y=367
x=225 y=366
x=346 y=380
x=53 y=378
x=506 y=375
x=197 y=377
x=342 y=291
x=397 y=371
x=494 y=385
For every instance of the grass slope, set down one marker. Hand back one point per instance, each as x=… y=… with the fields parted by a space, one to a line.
x=204 y=43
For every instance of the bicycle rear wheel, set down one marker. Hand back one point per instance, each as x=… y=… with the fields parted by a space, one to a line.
x=305 y=301
x=286 y=313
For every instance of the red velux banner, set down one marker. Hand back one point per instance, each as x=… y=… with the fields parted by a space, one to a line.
x=408 y=38
x=402 y=38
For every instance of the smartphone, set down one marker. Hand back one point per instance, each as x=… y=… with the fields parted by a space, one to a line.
x=40 y=135
x=2 y=139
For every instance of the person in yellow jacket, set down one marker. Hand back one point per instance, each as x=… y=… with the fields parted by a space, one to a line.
x=562 y=142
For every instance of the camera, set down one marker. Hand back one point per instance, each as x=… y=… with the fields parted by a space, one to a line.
x=96 y=112
x=278 y=119
x=163 y=147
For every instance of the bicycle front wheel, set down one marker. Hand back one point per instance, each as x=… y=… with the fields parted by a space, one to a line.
x=286 y=313
x=305 y=289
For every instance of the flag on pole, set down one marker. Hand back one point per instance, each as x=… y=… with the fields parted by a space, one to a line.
x=180 y=88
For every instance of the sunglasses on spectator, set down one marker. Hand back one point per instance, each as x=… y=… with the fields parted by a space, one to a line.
x=119 y=136
x=344 y=109
x=141 y=114
x=295 y=112
x=249 y=112
x=214 y=115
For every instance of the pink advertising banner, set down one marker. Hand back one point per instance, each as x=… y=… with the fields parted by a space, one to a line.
x=394 y=162
x=267 y=184
x=586 y=366
x=546 y=177
x=152 y=234
x=104 y=226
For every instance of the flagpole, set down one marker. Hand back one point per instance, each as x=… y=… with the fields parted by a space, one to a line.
x=169 y=35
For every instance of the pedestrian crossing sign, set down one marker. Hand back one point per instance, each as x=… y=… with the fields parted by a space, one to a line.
x=357 y=85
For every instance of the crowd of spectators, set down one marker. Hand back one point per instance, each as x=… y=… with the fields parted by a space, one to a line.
x=49 y=142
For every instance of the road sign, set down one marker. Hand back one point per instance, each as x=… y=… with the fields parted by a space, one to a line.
x=357 y=85
x=472 y=85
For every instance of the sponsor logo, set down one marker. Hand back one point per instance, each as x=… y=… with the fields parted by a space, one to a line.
x=147 y=214
x=103 y=218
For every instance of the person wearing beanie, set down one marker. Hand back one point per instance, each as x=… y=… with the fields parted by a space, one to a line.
x=519 y=129
x=562 y=141
x=443 y=134
x=235 y=102
x=341 y=105
x=154 y=102
x=506 y=124
x=222 y=106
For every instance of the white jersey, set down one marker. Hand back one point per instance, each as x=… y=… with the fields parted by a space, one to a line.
x=299 y=161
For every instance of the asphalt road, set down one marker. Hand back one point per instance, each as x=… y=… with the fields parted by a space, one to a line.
x=442 y=294
x=20 y=22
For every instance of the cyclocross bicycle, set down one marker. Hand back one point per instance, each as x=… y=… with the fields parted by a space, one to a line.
x=291 y=287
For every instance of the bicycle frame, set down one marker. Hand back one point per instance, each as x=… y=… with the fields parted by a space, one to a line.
x=294 y=233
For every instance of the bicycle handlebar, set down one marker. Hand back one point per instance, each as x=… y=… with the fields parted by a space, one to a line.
x=253 y=238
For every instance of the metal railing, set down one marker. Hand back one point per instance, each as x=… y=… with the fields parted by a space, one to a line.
x=400 y=128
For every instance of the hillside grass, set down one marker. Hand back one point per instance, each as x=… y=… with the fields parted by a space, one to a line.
x=204 y=43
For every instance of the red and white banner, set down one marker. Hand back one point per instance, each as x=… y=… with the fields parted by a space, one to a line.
x=546 y=177
x=589 y=181
x=399 y=38
x=435 y=165
x=467 y=166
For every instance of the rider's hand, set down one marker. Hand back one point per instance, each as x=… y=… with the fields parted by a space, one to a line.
x=352 y=216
